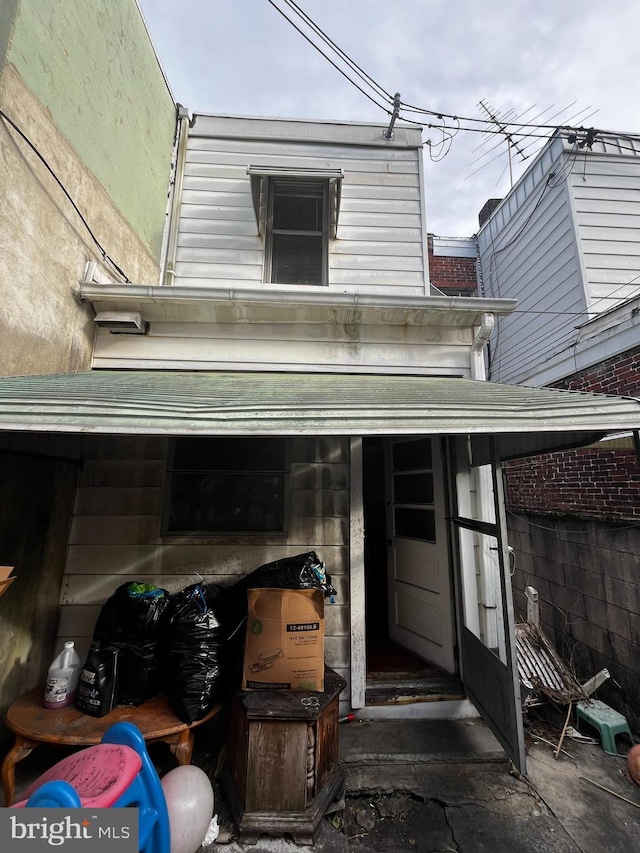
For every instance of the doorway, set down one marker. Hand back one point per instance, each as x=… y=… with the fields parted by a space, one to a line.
x=398 y=670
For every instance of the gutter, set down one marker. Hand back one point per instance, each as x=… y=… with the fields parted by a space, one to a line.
x=125 y=293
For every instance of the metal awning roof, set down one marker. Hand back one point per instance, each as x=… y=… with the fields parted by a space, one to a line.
x=217 y=403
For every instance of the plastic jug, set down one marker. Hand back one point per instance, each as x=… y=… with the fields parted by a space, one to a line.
x=62 y=678
x=98 y=684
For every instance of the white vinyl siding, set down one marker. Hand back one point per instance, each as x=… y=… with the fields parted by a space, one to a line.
x=380 y=239
x=607 y=210
x=326 y=346
x=567 y=251
x=528 y=251
x=116 y=533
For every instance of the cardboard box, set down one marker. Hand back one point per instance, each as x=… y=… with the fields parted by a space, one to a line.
x=284 y=645
x=5 y=580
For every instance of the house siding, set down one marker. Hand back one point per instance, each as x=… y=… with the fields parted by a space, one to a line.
x=81 y=80
x=344 y=342
x=528 y=251
x=380 y=237
x=566 y=244
x=116 y=533
x=605 y=185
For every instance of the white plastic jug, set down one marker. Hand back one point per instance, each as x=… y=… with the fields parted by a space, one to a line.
x=62 y=678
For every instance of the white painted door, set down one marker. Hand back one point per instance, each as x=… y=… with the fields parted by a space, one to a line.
x=418 y=575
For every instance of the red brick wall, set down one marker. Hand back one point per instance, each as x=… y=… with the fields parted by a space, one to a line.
x=588 y=482
x=447 y=273
x=617 y=375
x=591 y=482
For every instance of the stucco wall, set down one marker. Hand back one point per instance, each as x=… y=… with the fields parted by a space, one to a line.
x=93 y=68
x=98 y=111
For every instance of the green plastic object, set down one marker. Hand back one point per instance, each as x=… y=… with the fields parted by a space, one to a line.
x=608 y=722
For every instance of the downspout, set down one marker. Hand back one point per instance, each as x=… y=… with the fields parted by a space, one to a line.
x=483 y=333
x=167 y=270
x=488 y=564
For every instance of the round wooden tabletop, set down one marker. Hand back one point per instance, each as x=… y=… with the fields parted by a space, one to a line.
x=155 y=719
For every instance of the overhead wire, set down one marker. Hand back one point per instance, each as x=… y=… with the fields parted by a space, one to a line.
x=381 y=92
x=335 y=47
x=106 y=257
x=329 y=60
x=531 y=130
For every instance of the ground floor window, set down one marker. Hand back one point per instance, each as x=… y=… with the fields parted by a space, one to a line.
x=227 y=485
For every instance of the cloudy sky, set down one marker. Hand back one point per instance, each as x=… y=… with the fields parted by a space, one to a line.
x=549 y=61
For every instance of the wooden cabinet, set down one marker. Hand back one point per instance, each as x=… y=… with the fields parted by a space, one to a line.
x=283 y=761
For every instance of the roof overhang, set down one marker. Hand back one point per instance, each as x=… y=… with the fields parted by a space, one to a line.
x=179 y=303
x=524 y=419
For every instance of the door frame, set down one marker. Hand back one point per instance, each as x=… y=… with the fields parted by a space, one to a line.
x=477 y=664
x=490 y=676
x=439 y=595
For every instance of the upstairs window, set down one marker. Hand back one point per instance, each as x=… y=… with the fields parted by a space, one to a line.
x=227 y=485
x=297 y=232
x=297 y=214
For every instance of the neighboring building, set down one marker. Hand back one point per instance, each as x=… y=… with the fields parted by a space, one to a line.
x=453 y=265
x=294 y=383
x=565 y=243
x=87 y=127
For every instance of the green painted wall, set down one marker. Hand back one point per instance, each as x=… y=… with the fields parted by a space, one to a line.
x=92 y=65
x=7 y=16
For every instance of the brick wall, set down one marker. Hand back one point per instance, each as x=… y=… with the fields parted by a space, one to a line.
x=592 y=482
x=452 y=274
x=617 y=375
x=588 y=483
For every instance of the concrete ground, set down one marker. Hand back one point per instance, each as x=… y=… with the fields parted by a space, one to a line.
x=447 y=788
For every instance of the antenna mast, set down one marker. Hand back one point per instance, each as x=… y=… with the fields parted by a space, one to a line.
x=508 y=137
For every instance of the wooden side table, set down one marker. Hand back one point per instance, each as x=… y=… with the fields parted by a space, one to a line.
x=34 y=725
x=283 y=761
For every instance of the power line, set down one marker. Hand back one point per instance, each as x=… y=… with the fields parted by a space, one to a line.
x=31 y=145
x=330 y=43
x=380 y=91
x=322 y=53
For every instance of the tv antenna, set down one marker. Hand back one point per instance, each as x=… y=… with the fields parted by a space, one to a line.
x=513 y=126
x=503 y=128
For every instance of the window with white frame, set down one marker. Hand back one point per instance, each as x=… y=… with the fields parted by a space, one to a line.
x=297 y=215
x=227 y=485
x=297 y=231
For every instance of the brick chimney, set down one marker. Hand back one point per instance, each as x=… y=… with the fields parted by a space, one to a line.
x=487 y=210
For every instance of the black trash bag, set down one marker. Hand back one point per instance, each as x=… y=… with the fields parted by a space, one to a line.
x=195 y=650
x=304 y=571
x=131 y=620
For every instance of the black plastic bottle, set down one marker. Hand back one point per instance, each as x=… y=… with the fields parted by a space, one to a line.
x=98 y=684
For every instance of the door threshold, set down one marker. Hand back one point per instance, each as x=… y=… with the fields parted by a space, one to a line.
x=411 y=689
x=443 y=709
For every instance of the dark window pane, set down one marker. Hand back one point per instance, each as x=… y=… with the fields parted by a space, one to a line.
x=409 y=455
x=224 y=454
x=415 y=523
x=296 y=259
x=413 y=488
x=297 y=212
x=222 y=502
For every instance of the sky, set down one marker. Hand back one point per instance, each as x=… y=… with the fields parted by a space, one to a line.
x=573 y=62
